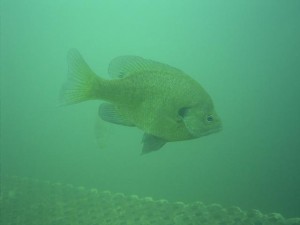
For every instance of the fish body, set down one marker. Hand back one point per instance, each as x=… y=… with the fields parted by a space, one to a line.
x=164 y=102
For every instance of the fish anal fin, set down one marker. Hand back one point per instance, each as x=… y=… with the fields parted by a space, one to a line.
x=151 y=143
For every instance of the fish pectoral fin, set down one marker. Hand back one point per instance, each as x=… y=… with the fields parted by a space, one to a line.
x=109 y=113
x=152 y=143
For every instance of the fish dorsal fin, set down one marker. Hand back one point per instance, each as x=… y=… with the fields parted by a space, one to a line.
x=123 y=66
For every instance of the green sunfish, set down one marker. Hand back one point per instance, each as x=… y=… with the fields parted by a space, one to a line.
x=162 y=101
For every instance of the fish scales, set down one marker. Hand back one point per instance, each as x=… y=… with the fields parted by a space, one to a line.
x=164 y=102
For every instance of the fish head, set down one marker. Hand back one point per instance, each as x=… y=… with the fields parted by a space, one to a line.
x=200 y=119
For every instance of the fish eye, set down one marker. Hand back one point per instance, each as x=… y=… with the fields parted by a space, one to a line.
x=210 y=118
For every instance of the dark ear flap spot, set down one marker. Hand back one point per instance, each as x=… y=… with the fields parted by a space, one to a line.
x=183 y=111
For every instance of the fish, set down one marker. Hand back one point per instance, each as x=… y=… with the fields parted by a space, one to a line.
x=164 y=102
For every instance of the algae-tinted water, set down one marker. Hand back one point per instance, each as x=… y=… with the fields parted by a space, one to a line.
x=245 y=53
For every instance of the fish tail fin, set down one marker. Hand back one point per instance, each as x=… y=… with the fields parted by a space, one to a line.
x=82 y=84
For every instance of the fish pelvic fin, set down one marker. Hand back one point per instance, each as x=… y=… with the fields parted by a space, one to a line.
x=82 y=84
x=151 y=143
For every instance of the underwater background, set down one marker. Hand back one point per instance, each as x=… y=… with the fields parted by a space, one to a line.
x=244 y=53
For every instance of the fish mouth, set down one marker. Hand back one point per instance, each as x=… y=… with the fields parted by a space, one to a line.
x=211 y=131
x=218 y=130
x=215 y=130
x=196 y=133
